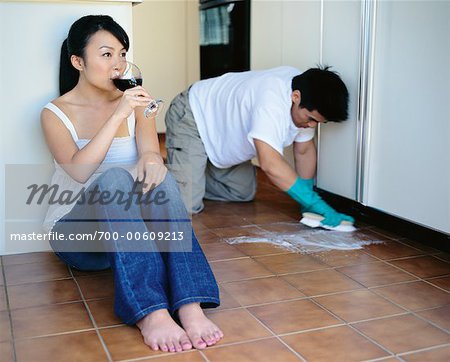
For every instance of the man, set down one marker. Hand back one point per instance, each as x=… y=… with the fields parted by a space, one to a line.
x=218 y=125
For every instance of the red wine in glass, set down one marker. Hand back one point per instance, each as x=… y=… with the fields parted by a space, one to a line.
x=124 y=84
x=130 y=76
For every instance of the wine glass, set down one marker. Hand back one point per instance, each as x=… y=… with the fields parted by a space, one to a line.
x=129 y=76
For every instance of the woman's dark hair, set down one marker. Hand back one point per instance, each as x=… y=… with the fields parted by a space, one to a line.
x=324 y=91
x=79 y=34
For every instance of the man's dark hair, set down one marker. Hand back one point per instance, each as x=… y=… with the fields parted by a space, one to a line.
x=324 y=91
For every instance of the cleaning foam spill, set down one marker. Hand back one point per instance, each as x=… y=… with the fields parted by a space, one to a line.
x=308 y=241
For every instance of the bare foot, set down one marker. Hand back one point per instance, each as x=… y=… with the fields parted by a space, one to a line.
x=201 y=331
x=160 y=332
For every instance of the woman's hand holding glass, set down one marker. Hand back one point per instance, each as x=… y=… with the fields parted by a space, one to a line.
x=126 y=77
x=131 y=99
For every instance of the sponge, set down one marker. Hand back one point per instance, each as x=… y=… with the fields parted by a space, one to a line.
x=314 y=220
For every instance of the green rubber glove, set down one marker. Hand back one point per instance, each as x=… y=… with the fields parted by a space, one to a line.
x=302 y=192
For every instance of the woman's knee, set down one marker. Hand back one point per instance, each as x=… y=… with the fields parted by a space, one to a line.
x=167 y=189
x=169 y=183
x=115 y=178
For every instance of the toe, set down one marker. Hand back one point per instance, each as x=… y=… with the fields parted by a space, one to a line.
x=209 y=339
x=163 y=347
x=186 y=343
x=151 y=343
x=213 y=339
x=171 y=347
x=198 y=342
x=178 y=347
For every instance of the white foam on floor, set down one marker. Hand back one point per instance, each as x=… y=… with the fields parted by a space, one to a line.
x=309 y=241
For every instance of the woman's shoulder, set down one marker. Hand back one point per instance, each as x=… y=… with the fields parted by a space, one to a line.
x=55 y=109
x=60 y=102
x=65 y=101
x=61 y=105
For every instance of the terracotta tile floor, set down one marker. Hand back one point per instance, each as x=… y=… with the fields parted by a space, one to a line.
x=387 y=302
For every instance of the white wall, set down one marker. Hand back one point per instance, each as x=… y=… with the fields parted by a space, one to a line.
x=31 y=34
x=409 y=168
x=340 y=48
x=166 y=43
x=277 y=38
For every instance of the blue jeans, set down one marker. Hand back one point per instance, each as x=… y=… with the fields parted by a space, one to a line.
x=144 y=281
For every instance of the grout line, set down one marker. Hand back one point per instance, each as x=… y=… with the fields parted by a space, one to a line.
x=269 y=303
x=424 y=349
x=438 y=277
x=387 y=262
x=112 y=326
x=424 y=279
x=353 y=328
x=204 y=356
x=229 y=259
x=382 y=359
x=298 y=354
x=399 y=314
x=417 y=278
x=437 y=286
x=256 y=340
x=426 y=253
x=408 y=282
x=437 y=256
x=276 y=336
x=412 y=312
x=432 y=308
x=239 y=258
x=237 y=343
x=415 y=314
x=410 y=257
x=362 y=288
x=159 y=355
x=91 y=317
x=393 y=284
x=39 y=281
x=56 y=334
x=375 y=229
x=8 y=309
x=48 y=305
x=311 y=330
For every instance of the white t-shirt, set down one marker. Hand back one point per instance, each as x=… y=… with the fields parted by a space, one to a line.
x=235 y=108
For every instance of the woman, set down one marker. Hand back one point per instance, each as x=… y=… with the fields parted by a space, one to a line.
x=90 y=129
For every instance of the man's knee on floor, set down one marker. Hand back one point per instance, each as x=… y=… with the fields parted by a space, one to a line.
x=244 y=195
x=249 y=195
x=231 y=193
x=197 y=208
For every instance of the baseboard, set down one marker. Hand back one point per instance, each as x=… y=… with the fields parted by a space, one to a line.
x=426 y=236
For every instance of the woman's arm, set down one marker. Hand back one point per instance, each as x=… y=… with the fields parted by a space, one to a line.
x=81 y=164
x=150 y=167
x=146 y=135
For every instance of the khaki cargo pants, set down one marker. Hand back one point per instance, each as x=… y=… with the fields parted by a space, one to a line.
x=197 y=177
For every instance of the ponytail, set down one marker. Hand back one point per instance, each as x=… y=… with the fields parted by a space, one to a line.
x=68 y=75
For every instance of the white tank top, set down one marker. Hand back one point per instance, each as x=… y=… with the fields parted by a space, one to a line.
x=122 y=152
